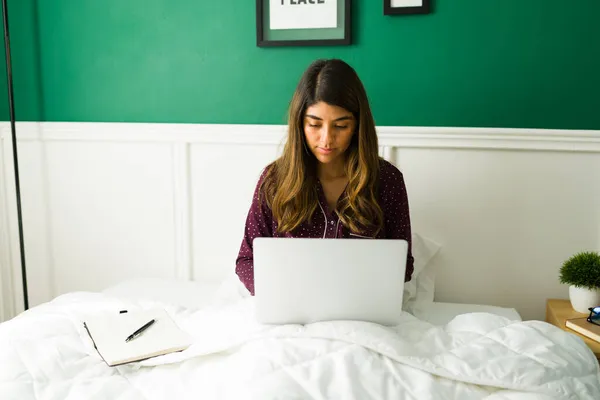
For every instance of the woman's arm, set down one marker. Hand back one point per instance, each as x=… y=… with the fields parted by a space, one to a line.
x=258 y=224
x=396 y=211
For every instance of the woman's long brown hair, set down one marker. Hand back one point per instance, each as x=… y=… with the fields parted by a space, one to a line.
x=289 y=187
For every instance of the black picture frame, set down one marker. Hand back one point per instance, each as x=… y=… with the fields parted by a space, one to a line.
x=262 y=26
x=425 y=8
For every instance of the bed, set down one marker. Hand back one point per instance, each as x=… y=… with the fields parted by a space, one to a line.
x=438 y=351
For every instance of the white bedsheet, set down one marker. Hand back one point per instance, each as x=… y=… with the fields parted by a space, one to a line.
x=46 y=354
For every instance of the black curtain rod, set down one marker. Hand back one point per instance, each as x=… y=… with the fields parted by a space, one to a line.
x=11 y=108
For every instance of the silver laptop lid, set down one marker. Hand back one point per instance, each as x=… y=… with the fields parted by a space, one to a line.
x=301 y=280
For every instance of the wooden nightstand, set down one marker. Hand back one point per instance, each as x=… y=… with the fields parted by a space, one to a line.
x=558 y=311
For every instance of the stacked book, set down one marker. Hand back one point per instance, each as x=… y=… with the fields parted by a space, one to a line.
x=582 y=326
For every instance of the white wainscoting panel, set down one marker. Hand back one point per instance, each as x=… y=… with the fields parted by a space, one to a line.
x=505 y=220
x=7 y=296
x=37 y=219
x=223 y=181
x=182 y=209
x=105 y=202
x=113 y=212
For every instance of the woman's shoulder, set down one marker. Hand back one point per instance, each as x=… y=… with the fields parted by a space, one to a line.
x=388 y=172
x=391 y=184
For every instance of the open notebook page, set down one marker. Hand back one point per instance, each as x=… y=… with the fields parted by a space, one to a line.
x=109 y=331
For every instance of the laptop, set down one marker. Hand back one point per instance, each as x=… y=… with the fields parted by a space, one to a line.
x=305 y=280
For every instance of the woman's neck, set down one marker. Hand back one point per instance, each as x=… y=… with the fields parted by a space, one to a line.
x=331 y=171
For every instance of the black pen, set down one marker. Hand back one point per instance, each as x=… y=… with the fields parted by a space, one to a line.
x=139 y=331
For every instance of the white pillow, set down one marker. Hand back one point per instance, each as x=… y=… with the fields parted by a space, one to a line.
x=419 y=291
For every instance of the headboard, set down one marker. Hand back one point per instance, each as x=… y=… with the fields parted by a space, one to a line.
x=105 y=202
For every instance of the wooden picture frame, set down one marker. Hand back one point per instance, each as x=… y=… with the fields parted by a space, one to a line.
x=338 y=36
x=389 y=8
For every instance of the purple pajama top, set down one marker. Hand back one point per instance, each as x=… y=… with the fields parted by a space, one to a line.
x=325 y=224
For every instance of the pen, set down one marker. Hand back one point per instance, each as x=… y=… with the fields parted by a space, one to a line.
x=139 y=331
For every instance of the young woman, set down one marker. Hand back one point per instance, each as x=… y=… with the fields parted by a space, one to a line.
x=330 y=181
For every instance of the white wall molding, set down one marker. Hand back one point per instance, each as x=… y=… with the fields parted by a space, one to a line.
x=394 y=136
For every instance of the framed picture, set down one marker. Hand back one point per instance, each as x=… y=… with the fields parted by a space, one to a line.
x=406 y=7
x=303 y=22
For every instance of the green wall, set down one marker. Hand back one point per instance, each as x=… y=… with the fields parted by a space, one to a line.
x=500 y=63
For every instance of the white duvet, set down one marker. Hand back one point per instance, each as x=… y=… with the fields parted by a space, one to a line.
x=46 y=353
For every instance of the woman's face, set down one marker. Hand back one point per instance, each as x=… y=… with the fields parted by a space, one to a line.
x=328 y=130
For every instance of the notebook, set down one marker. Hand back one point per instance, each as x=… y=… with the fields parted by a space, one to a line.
x=110 y=330
x=584 y=327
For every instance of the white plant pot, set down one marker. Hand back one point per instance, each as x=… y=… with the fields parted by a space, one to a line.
x=583 y=298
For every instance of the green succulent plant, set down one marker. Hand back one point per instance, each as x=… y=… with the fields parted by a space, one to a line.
x=582 y=270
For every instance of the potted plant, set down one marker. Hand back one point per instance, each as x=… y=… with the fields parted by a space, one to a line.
x=582 y=273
